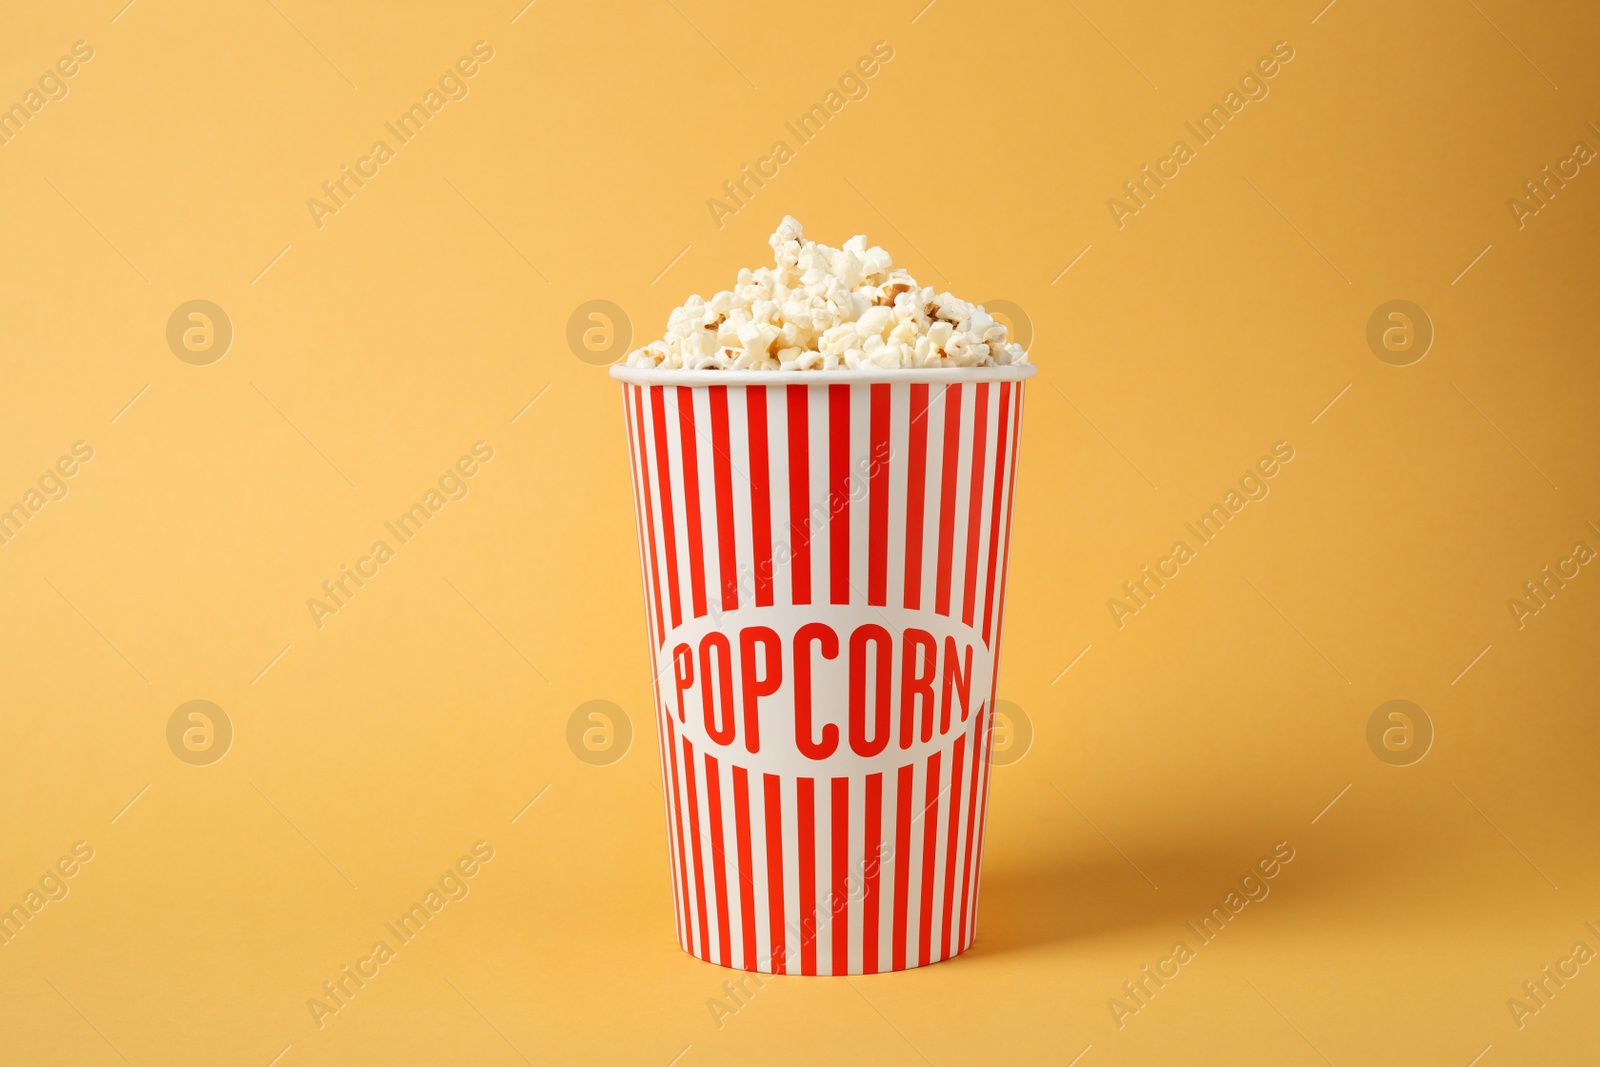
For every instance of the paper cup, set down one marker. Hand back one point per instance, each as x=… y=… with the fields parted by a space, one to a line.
x=824 y=562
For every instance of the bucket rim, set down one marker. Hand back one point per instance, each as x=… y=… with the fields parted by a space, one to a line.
x=705 y=378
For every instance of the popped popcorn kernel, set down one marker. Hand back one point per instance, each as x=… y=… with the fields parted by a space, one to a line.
x=821 y=308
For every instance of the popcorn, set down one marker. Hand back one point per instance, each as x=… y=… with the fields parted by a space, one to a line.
x=821 y=308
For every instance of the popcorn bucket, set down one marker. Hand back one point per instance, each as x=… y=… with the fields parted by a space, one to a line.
x=824 y=558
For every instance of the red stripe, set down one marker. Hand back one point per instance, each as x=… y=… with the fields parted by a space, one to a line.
x=722 y=475
x=1005 y=566
x=682 y=871
x=1011 y=498
x=799 y=496
x=691 y=500
x=994 y=521
x=902 y=862
x=947 y=496
x=719 y=863
x=972 y=812
x=872 y=847
x=755 y=400
x=987 y=741
x=643 y=507
x=747 y=884
x=980 y=432
x=878 y=499
x=699 y=870
x=646 y=490
x=839 y=495
x=658 y=409
x=839 y=904
x=667 y=799
x=916 y=494
x=773 y=805
x=956 y=767
x=930 y=844
x=806 y=802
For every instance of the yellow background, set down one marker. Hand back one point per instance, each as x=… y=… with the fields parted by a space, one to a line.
x=370 y=353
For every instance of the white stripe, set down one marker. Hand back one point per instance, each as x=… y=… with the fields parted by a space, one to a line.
x=791 y=872
x=709 y=861
x=855 y=879
x=753 y=892
x=969 y=800
x=986 y=740
x=934 y=470
x=680 y=515
x=682 y=828
x=886 y=870
x=658 y=462
x=947 y=802
x=986 y=534
x=705 y=454
x=913 y=866
x=640 y=488
x=963 y=919
x=1000 y=522
x=691 y=832
x=860 y=493
x=966 y=411
x=824 y=873
x=739 y=475
x=820 y=451
x=696 y=828
x=782 y=534
x=672 y=857
x=958 y=810
x=899 y=457
x=1000 y=519
x=733 y=884
x=858 y=872
x=758 y=869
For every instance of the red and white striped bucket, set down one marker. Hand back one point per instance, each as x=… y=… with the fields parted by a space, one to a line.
x=824 y=564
